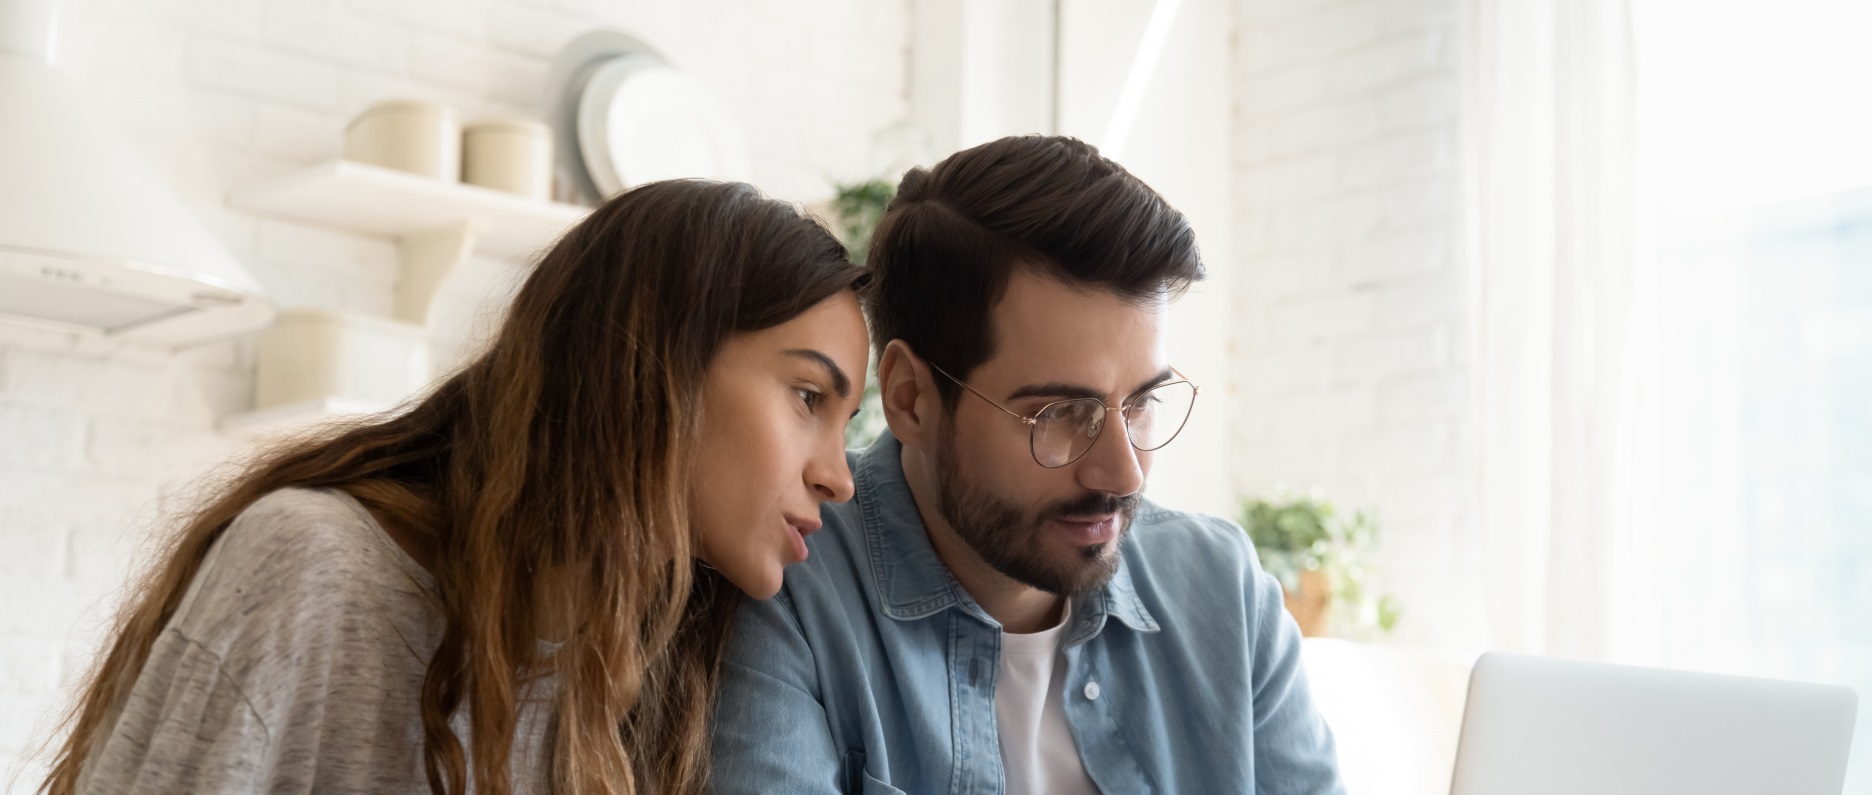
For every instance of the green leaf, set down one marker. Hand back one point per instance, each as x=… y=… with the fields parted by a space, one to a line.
x=860 y=206
x=1294 y=534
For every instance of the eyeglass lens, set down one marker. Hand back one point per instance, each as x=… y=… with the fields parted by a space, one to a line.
x=1064 y=431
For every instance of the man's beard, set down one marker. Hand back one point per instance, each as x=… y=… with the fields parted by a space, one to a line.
x=1013 y=543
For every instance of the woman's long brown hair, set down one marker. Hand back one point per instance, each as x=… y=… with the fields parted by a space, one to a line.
x=550 y=477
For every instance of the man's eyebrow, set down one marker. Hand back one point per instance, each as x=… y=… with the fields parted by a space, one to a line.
x=1065 y=391
x=1156 y=380
x=1055 y=389
x=841 y=383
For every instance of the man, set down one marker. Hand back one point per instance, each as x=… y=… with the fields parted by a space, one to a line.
x=999 y=610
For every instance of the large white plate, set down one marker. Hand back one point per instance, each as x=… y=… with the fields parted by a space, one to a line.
x=641 y=120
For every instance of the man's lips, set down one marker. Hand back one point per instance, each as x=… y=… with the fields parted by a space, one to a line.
x=1088 y=530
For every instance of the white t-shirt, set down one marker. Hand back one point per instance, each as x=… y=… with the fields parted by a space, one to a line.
x=1038 y=753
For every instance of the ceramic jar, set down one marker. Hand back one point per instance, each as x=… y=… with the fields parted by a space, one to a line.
x=407 y=135
x=512 y=155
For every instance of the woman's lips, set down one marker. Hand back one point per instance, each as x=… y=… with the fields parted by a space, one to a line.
x=799 y=529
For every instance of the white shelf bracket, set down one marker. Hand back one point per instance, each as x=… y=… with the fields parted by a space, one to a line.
x=428 y=257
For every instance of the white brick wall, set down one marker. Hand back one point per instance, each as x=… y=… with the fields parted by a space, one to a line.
x=98 y=440
x=1350 y=303
x=1351 y=355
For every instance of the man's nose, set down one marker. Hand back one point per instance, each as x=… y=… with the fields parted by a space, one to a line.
x=1112 y=465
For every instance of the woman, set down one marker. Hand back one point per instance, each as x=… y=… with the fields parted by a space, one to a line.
x=479 y=591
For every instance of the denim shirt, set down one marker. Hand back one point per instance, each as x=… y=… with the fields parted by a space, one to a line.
x=873 y=670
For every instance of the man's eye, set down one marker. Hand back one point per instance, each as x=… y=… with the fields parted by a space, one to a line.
x=1073 y=411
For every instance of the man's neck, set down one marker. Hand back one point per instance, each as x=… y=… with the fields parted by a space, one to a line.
x=1019 y=607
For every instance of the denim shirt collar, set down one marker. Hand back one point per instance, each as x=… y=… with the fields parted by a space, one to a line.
x=913 y=582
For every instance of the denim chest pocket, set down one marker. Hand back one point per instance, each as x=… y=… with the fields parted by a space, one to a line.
x=858 y=781
x=872 y=786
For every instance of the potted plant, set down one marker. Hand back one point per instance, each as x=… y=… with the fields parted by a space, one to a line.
x=1319 y=557
x=856 y=209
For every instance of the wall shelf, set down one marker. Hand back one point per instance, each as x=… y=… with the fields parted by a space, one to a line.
x=277 y=421
x=437 y=227
x=378 y=201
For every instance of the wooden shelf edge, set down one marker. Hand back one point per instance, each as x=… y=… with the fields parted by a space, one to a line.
x=295 y=417
x=358 y=197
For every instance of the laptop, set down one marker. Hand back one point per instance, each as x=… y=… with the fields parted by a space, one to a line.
x=1539 y=726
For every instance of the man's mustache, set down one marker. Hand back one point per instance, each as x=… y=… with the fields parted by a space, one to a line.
x=1091 y=503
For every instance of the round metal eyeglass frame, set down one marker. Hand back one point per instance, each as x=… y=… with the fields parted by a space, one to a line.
x=1033 y=422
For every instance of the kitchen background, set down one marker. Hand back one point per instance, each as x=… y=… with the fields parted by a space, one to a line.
x=1333 y=155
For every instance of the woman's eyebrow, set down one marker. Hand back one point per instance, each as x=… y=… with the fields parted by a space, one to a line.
x=841 y=383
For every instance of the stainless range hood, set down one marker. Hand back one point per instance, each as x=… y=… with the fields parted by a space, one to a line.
x=90 y=239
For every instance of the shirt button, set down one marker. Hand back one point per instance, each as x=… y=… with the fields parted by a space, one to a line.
x=1092 y=691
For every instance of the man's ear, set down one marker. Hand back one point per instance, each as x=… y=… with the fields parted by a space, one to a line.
x=912 y=405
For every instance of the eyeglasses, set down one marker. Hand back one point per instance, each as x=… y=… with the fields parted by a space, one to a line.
x=1062 y=431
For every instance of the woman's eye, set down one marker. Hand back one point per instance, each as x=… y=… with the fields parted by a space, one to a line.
x=809 y=397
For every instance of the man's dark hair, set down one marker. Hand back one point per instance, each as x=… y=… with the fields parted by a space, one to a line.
x=955 y=233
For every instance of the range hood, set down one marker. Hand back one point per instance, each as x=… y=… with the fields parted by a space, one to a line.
x=90 y=240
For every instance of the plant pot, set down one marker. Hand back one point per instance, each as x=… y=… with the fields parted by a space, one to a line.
x=1312 y=606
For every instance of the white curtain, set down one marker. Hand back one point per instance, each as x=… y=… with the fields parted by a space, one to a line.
x=1552 y=250
x=1673 y=333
